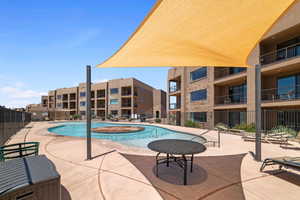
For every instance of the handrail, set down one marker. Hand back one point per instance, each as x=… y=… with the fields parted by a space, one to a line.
x=275 y=51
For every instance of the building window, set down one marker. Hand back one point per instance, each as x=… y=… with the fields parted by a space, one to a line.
x=288 y=87
x=82 y=94
x=198 y=116
x=114 y=101
x=58 y=97
x=82 y=103
x=199 y=95
x=82 y=113
x=238 y=93
x=198 y=74
x=114 y=90
x=58 y=105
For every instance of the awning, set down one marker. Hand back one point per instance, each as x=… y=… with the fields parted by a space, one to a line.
x=199 y=33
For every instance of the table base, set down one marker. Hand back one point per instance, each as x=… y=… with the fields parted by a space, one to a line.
x=181 y=162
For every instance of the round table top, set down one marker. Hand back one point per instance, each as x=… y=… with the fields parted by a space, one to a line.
x=176 y=146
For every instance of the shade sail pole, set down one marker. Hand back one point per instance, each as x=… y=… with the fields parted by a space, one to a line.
x=88 y=113
x=258 y=112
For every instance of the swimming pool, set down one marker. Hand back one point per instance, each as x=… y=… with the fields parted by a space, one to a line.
x=136 y=139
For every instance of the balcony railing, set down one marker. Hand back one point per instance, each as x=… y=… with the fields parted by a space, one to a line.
x=225 y=72
x=281 y=54
x=100 y=105
x=174 y=106
x=72 y=97
x=174 y=88
x=126 y=104
x=65 y=98
x=231 y=99
x=285 y=93
x=126 y=93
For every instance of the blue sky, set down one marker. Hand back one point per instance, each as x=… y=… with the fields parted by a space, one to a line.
x=46 y=44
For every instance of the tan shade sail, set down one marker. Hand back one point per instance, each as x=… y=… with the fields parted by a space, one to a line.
x=199 y=33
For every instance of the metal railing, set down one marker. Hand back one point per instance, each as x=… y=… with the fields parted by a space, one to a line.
x=174 y=88
x=126 y=105
x=240 y=120
x=285 y=93
x=11 y=121
x=280 y=54
x=174 y=106
x=231 y=99
x=221 y=72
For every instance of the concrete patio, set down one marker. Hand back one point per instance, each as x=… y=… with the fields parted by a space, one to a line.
x=122 y=172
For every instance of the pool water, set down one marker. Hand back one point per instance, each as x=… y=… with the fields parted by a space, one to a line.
x=136 y=139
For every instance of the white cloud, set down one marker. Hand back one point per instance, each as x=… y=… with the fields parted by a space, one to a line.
x=19 y=93
x=14 y=94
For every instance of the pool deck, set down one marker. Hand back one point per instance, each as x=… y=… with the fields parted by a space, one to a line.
x=121 y=172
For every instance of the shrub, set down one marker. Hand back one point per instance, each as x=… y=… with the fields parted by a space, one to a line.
x=190 y=123
x=157 y=120
x=246 y=127
x=221 y=126
x=76 y=116
x=284 y=129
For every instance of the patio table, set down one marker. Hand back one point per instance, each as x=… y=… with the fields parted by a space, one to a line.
x=176 y=147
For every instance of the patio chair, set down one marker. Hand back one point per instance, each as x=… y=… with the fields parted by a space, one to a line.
x=18 y=150
x=287 y=162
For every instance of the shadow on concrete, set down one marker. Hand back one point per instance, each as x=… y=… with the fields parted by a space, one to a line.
x=103 y=154
x=213 y=178
x=65 y=195
x=288 y=176
x=291 y=148
x=174 y=174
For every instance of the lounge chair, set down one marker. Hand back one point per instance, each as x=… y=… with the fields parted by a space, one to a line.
x=269 y=138
x=18 y=150
x=287 y=162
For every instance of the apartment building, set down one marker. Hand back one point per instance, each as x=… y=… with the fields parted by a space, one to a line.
x=210 y=95
x=122 y=98
x=159 y=104
x=38 y=111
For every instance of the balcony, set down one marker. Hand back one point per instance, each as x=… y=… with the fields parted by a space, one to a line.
x=174 y=88
x=231 y=99
x=72 y=97
x=65 y=97
x=100 y=93
x=174 y=85
x=126 y=102
x=286 y=93
x=126 y=91
x=174 y=106
x=101 y=104
x=73 y=105
x=223 y=72
x=281 y=55
x=65 y=105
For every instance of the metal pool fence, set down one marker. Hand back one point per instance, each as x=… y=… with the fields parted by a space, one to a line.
x=11 y=121
x=238 y=119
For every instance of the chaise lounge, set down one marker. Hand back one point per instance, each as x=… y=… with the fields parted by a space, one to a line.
x=287 y=162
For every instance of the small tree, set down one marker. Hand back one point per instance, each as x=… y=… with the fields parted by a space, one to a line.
x=76 y=116
x=157 y=120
